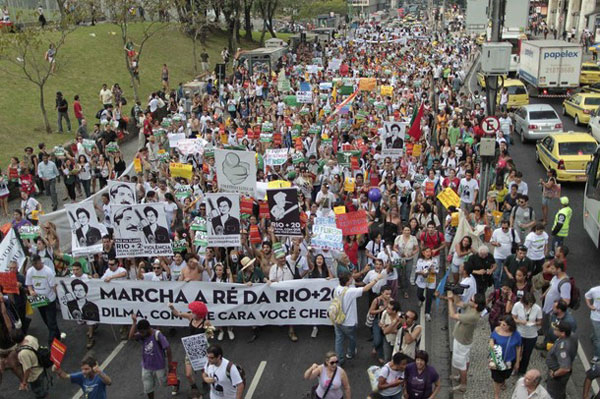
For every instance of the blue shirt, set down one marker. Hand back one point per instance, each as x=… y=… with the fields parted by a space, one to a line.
x=93 y=388
x=47 y=171
x=509 y=345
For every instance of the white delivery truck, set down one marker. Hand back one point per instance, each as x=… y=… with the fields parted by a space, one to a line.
x=550 y=67
x=476 y=20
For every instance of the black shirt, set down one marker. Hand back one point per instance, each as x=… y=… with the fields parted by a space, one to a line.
x=476 y=262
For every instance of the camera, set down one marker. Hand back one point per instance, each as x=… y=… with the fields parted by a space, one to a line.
x=457 y=289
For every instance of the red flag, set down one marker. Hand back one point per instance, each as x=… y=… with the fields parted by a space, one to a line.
x=415 y=128
x=57 y=352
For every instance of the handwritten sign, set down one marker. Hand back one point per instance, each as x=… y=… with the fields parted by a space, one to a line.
x=449 y=198
x=180 y=170
x=352 y=223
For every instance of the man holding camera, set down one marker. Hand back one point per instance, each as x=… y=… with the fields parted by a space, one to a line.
x=463 y=335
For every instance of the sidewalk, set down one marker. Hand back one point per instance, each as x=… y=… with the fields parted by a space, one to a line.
x=480 y=383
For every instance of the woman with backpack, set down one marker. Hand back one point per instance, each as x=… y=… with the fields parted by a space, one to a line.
x=333 y=381
x=500 y=303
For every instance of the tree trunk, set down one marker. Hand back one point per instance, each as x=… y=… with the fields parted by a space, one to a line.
x=47 y=126
x=270 y=27
x=194 y=43
x=262 y=33
x=248 y=19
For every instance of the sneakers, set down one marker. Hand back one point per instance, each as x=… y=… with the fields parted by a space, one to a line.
x=230 y=334
x=314 y=332
x=460 y=388
x=427 y=317
x=175 y=390
x=293 y=336
x=595 y=359
x=220 y=335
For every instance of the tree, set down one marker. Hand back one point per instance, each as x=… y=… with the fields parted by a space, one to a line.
x=24 y=55
x=192 y=16
x=120 y=14
x=231 y=12
x=248 y=18
x=267 y=10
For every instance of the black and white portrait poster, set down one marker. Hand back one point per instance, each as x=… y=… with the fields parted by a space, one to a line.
x=236 y=171
x=121 y=193
x=76 y=301
x=141 y=230
x=223 y=219
x=285 y=212
x=86 y=231
x=394 y=134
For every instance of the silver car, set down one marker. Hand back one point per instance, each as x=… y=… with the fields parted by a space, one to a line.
x=536 y=121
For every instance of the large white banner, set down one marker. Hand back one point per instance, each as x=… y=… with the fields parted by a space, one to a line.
x=292 y=302
x=11 y=249
x=141 y=230
x=86 y=231
x=223 y=219
x=121 y=193
x=236 y=171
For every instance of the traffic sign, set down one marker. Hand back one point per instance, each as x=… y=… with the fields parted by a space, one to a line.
x=490 y=124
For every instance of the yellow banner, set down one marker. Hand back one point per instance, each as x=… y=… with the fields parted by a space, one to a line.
x=386 y=90
x=137 y=165
x=497 y=216
x=180 y=170
x=339 y=210
x=367 y=84
x=349 y=184
x=279 y=184
x=448 y=198
x=417 y=149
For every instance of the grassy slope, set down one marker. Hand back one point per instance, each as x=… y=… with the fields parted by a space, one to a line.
x=91 y=61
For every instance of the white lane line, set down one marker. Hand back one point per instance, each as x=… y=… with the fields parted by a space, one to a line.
x=255 y=380
x=586 y=366
x=105 y=363
x=423 y=323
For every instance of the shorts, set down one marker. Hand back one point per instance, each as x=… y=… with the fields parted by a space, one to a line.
x=460 y=355
x=454 y=268
x=501 y=376
x=545 y=200
x=153 y=378
x=4 y=196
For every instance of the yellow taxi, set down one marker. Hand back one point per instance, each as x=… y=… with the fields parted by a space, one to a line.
x=590 y=73
x=517 y=93
x=567 y=153
x=580 y=106
x=481 y=79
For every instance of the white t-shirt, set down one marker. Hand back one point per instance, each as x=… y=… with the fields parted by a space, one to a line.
x=468 y=292
x=390 y=376
x=43 y=281
x=467 y=190
x=535 y=245
x=329 y=200
x=505 y=240
x=110 y=273
x=535 y=313
x=554 y=295
x=349 y=304
x=430 y=280
x=151 y=276
x=224 y=387
x=372 y=275
x=594 y=295
x=176 y=270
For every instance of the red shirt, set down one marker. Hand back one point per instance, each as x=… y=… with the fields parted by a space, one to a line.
x=351 y=249
x=432 y=241
x=77 y=110
x=454 y=183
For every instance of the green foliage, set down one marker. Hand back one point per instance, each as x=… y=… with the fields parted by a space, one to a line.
x=310 y=9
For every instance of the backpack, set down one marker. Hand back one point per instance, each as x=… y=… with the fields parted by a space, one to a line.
x=240 y=370
x=42 y=354
x=575 y=293
x=335 y=312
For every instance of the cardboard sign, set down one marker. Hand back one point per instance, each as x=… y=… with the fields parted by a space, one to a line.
x=255 y=237
x=349 y=184
x=180 y=170
x=417 y=150
x=386 y=90
x=449 y=198
x=57 y=352
x=8 y=281
x=195 y=347
x=429 y=188
x=353 y=223
x=339 y=210
x=367 y=84
x=137 y=165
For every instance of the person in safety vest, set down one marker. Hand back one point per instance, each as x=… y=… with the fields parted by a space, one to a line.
x=562 y=219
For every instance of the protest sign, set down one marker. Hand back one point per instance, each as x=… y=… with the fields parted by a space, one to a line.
x=304 y=97
x=394 y=133
x=11 y=249
x=57 y=352
x=448 y=198
x=312 y=69
x=122 y=193
x=386 y=90
x=174 y=138
x=180 y=170
x=141 y=230
x=338 y=210
x=429 y=188
x=284 y=211
x=195 y=347
x=223 y=219
x=352 y=223
x=367 y=84
x=88 y=144
x=334 y=64
x=276 y=156
x=29 y=232
x=8 y=281
x=293 y=302
x=137 y=165
x=417 y=149
x=327 y=237
x=183 y=191
x=190 y=146
x=86 y=231
x=236 y=171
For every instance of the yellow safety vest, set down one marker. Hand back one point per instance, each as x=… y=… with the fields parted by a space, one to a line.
x=567 y=212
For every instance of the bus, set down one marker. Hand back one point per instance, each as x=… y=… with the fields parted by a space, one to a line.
x=591 y=200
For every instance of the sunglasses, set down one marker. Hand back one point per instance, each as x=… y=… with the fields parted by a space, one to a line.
x=331 y=363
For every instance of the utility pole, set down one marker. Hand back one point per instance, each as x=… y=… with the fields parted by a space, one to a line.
x=491 y=81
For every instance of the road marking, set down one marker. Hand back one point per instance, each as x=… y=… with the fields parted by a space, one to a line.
x=422 y=318
x=254 y=383
x=586 y=366
x=105 y=363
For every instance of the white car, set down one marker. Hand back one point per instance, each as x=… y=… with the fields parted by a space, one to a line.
x=594 y=125
x=536 y=121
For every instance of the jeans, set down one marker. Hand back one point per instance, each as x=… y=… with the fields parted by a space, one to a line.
x=596 y=337
x=48 y=314
x=387 y=350
x=426 y=294
x=378 y=338
x=86 y=187
x=50 y=188
x=64 y=115
x=404 y=274
x=341 y=333
x=528 y=346
x=498 y=273
x=556 y=242
x=396 y=396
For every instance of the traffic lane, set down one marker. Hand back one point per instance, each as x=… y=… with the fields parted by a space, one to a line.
x=582 y=261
